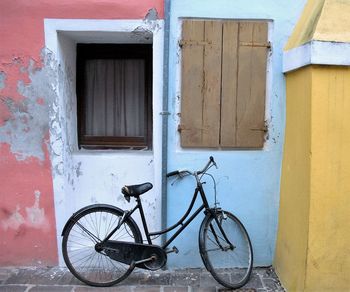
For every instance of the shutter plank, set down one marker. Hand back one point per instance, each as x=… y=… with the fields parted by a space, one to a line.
x=259 y=69
x=251 y=85
x=229 y=84
x=212 y=84
x=192 y=83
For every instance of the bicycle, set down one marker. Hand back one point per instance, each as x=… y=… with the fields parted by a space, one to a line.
x=102 y=244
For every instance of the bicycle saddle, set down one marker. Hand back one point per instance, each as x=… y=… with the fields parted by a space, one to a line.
x=136 y=190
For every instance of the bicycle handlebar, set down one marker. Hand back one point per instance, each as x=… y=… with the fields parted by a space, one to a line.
x=179 y=172
x=211 y=160
x=176 y=172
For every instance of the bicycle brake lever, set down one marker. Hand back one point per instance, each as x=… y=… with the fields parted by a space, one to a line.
x=179 y=176
x=175 y=180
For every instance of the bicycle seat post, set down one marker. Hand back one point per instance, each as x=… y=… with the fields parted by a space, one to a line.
x=143 y=218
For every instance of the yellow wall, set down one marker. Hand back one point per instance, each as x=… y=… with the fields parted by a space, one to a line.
x=305 y=28
x=328 y=263
x=322 y=20
x=313 y=243
x=334 y=22
x=295 y=183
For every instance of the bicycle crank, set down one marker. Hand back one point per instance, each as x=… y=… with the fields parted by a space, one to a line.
x=144 y=256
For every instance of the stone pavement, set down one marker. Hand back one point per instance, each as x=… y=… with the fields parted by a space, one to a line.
x=56 y=279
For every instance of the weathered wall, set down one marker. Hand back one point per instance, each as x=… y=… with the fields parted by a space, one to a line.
x=328 y=261
x=248 y=181
x=306 y=26
x=82 y=177
x=292 y=239
x=333 y=24
x=312 y=251
x=29 y=114
x=26 y=209
x=322 y=20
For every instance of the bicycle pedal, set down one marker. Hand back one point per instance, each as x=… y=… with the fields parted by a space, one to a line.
x=174 y=249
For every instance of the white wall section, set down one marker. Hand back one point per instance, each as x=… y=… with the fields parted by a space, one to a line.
x=316 y=53
x=83 y=177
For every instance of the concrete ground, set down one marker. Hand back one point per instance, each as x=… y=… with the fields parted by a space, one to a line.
x=52 y=279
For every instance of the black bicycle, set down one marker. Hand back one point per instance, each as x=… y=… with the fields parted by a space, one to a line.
x=102 y=244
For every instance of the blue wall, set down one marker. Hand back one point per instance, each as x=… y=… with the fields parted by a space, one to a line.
x=248 y=181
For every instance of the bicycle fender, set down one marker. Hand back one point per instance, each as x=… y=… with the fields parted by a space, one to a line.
x=77 y=214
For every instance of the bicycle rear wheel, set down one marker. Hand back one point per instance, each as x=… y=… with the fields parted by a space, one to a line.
x=84 y=259
x=229 y=261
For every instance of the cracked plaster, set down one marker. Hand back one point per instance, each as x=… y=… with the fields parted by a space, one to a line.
x=26 y=131
x=2 y=80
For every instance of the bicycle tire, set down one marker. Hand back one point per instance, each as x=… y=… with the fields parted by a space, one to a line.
x=78 y=247
x=231 y=266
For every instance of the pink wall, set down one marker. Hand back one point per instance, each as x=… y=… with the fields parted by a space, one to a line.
x=27 y=220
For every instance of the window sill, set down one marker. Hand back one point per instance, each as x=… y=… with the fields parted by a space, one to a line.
x=113 y=152
x=114 y=148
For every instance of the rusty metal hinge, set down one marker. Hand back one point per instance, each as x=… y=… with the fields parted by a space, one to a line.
x=252 y=44
x=193 y=43
x=263 y=129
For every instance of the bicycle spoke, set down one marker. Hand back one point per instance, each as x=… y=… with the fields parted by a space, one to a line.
x=87 y=263
x=88 y=232
x=229 y=264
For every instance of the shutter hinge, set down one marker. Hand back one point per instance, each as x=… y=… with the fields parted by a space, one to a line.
x=193 y=43
x=263 y=129
x=164 y=113
x=252 y=44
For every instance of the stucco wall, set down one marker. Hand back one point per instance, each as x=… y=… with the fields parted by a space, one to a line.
x=248 y=181
x=292 y=239
x=324 y=21
x=30 y=113
x=328 y=262
x=313 y=237
x=31 y=103
x=83 y=177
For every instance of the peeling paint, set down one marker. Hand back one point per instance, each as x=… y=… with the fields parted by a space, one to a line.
x=152 y=14
x=82 y=177
x=78 y=172
x=26 y=131
x=140 y=33
x=38 y=115
x=14 y=221
x=2 y=80
x=35 y=217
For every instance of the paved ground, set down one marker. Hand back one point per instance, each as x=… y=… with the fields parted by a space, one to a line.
x=55 y=279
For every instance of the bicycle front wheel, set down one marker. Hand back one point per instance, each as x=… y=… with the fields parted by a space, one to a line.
x=226 y=249
x=86 y=261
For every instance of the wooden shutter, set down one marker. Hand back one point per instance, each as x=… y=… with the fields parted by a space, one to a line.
x=251 y=88
x=229 y=84
x=223 y=83
x=201 y=81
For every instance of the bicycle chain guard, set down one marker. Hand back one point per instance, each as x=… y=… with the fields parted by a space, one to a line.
x=151 y=257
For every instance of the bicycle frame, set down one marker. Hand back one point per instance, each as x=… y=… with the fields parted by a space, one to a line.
x=183 y=222
x=135 y=251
